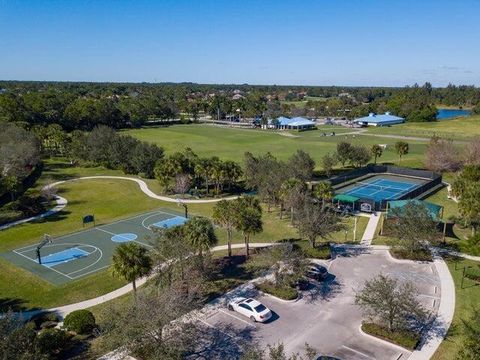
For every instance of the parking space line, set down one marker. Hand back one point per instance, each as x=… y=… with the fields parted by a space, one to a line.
x=358 y=352
x=214 y=327
x=429 y=296
x=246 y=322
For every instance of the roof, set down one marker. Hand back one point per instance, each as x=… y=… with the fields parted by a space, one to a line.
x=374 y=118
x=346 y=198
x=434 y=209
x=296 y=121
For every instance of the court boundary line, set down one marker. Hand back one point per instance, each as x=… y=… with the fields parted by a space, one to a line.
x=85 y=254
x=22 y=250
x=92 y=228
x=159 y=212
x=58 y=272
x=114 y=234
x=61 y=272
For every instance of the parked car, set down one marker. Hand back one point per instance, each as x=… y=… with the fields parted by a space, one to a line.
x=317 y=272
x=250 y=308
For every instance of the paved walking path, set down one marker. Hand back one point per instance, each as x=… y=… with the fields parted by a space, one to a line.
x=62 y=202
x=62 y=311
x=370 y=230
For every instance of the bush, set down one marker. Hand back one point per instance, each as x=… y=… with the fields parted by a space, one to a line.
x=282 y=292
x=319 y=252
x=7 y=216
x=80 y=321
x=419 y=255
x=405 y=338
x=52 y=341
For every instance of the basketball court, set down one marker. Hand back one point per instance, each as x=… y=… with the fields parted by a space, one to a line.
x=73 y=256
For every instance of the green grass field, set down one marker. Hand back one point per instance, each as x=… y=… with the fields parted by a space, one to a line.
x=232 y=143
x=463 y=128
x=108 y=200
x=466 y=300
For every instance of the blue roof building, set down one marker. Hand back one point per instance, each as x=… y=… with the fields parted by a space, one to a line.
x=296 y=123
x=379 y=120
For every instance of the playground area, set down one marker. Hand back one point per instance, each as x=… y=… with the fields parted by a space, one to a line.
x=73 y=256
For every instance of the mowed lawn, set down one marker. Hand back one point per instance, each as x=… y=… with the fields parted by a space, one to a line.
x=466 y=300
x=108 y=200
x=463 y=128
x=232 y=143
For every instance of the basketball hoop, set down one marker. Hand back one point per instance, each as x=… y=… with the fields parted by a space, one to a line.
x=47 y=239
x=180 y=202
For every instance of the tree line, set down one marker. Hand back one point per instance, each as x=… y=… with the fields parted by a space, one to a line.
x=82 y=106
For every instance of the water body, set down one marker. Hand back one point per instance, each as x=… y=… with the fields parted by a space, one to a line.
x=446 y=114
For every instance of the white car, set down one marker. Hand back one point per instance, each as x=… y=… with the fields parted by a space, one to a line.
x=250 y=308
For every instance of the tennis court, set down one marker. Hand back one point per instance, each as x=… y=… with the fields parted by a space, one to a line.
x=382 y=187
x=73 y=256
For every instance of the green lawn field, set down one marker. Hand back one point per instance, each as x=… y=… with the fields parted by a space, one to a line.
x=463 y=128
x=466 y=299
x=232 y=143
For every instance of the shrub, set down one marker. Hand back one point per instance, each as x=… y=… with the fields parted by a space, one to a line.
x=282 y=292
x=80 y=321
x=419 y=255
x=319 y=252
x=405 y=338
x=52 y=341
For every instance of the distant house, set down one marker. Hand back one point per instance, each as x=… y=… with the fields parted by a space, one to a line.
x=296 y=123
x=373 y=119
x=237 y=97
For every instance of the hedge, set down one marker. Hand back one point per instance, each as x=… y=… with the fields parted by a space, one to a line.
x=405 y=338
x=282 y=292
x=80 y=321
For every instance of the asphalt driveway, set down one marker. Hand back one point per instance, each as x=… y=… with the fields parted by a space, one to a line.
x=325 y=316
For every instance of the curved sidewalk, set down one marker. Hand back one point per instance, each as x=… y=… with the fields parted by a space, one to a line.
x=64 y=310
x=62 y=202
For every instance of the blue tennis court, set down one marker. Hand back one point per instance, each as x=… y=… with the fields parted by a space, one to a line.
x=381 y=189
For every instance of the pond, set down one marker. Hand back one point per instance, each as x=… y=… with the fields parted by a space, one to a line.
x=446 y=114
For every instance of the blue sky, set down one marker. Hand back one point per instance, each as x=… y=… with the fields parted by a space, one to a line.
x=334 y=42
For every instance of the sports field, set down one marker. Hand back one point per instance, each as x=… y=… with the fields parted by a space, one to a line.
x=73 y=256
x=232 y=143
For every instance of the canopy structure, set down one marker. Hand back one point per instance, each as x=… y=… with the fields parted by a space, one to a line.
x=436 y=211
x=346 y=198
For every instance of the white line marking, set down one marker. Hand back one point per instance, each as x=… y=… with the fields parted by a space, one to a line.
x=86 y=267
x=358 y=352
x=219 y=330
x=111 y=233
x=58 y=272
x=90 y=272
x=235 y=317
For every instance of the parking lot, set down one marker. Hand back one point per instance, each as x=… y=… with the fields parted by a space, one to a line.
x=325 y=316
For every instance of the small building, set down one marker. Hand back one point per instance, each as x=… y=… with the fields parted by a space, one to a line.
x=296 y=123
x=373 y=119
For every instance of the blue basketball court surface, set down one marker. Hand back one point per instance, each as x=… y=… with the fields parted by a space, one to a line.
x=74 y=256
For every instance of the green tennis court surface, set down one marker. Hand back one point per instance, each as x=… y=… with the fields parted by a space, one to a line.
x=73 y=256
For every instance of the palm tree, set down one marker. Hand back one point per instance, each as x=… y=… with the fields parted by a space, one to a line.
x=224 y=215
x=323 y=191
x=376 y=151
x=200 y=234
x=131 y=261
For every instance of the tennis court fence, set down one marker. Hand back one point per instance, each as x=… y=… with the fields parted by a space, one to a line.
x=385 y=169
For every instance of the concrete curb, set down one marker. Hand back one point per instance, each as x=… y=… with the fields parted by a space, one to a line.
x=385 y=342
